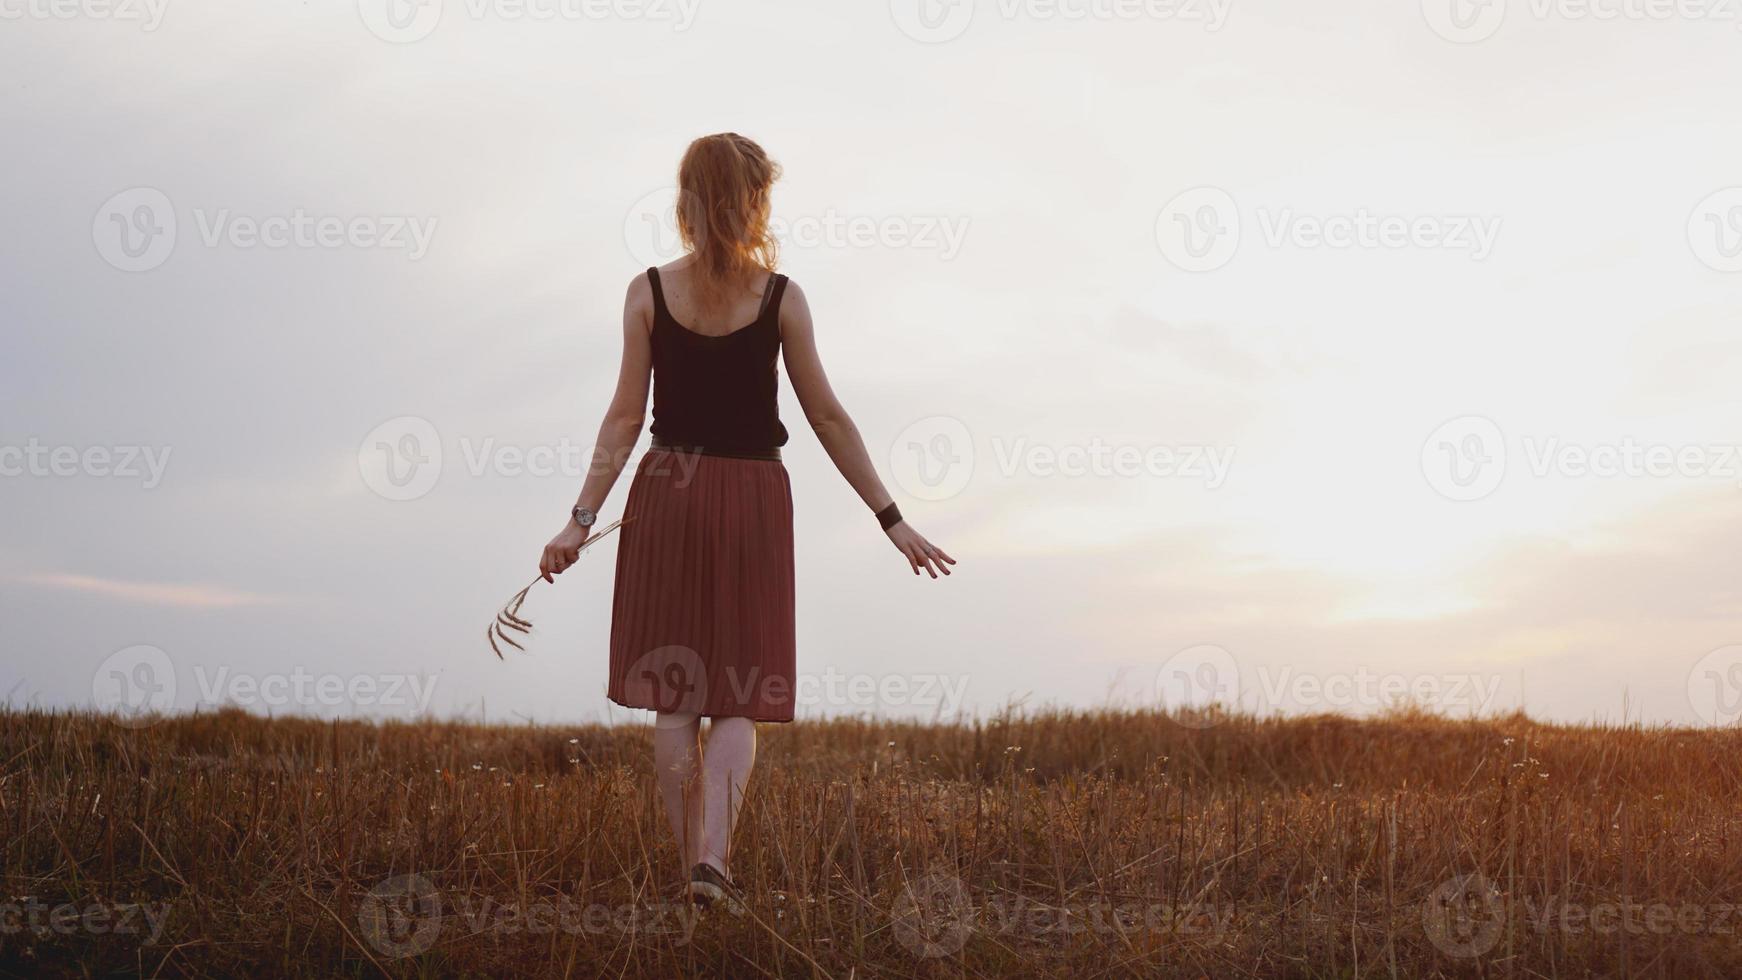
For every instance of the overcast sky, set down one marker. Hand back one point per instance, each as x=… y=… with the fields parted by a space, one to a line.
x=1284 y=354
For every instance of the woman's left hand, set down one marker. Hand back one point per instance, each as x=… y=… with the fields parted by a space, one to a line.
x=920 y=552
x=564 y=550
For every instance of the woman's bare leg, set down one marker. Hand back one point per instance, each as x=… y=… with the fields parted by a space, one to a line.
x=726 y=762
x=677 y=769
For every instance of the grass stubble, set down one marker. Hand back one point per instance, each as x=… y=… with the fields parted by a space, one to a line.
x=1037 y=843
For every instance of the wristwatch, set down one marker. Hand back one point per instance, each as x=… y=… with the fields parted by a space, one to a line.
x=584 y=517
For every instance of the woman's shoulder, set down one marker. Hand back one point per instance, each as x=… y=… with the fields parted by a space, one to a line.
x=638 y=301
x=640 y=290
x=794 y=313
x=789 y=288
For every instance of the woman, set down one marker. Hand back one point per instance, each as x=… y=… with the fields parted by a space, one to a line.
x=702 y=619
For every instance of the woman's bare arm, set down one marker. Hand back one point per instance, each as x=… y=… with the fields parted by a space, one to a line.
x=617 y=433
x=836 y=431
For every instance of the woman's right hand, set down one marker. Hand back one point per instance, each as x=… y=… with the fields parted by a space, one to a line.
x=920 y=552
x=564 y=550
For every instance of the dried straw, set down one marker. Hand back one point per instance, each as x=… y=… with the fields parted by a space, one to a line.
x=509 y=617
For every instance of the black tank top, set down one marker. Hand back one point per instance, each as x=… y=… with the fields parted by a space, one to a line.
x=718 y=392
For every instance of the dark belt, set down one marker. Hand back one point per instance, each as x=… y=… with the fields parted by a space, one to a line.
x=771 y=453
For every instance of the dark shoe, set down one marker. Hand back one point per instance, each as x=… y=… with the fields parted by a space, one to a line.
x=708 y=887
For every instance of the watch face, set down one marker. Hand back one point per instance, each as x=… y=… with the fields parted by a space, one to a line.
x=585 y=517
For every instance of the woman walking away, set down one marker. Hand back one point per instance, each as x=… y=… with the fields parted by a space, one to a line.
x=702 y=618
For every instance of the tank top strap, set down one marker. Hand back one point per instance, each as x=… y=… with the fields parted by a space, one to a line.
x=772 y=294
x=659 y=309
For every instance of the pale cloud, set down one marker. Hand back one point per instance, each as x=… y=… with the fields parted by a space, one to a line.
x=154 y=593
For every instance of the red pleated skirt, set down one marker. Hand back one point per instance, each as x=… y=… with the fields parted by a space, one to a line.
x=702 y=618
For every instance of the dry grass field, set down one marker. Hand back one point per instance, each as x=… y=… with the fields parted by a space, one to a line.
x=1040 y=844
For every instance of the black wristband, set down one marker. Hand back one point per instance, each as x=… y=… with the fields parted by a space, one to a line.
x=889 y=516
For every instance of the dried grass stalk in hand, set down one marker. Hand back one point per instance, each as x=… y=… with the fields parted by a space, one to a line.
x=509 y=617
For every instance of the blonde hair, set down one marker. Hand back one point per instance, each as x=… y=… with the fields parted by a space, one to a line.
x=722 y=212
